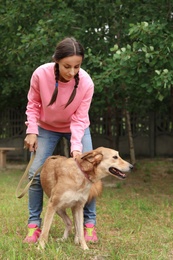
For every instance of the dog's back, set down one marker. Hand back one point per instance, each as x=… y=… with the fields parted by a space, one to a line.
x=61 y=174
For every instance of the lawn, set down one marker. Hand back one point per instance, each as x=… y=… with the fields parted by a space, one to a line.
x=134 y=218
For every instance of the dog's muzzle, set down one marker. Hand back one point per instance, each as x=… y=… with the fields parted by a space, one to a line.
x=117 y=173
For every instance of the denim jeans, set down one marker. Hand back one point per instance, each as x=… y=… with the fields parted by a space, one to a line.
x=47 y=141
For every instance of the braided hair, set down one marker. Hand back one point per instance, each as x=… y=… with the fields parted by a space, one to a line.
x=66 y=48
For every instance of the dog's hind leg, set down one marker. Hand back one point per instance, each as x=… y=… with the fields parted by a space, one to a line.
x=67 y=221
x=79 y=229
x=50 y=211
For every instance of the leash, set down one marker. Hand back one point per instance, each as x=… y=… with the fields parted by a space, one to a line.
x=24 y=176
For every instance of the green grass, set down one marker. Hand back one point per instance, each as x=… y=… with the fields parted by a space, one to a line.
x=134 y=218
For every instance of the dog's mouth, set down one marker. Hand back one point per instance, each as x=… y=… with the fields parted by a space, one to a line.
x=117 y=173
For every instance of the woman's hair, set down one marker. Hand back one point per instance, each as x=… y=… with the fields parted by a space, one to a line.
x=66 y=48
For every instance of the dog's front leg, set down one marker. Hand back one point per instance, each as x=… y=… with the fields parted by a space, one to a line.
x=78 y=223
x=50 y=211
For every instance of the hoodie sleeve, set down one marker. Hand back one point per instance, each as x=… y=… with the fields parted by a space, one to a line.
x=80 y=120
x=33 y=106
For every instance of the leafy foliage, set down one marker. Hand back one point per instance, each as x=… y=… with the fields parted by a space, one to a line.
x=128 y=48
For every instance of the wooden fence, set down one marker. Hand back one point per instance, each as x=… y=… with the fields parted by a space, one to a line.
x=152 y=133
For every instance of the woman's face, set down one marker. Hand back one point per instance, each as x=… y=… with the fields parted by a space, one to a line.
x=69 y=67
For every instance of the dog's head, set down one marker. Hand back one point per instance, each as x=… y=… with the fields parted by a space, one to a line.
x=101 y=162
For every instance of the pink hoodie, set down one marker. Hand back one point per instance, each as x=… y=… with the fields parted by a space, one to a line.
x=74 y=118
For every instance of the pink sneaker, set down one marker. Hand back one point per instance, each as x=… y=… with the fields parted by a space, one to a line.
x=90 y=233
x=33 y=234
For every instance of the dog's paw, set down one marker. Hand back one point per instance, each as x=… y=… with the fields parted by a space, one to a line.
x=82 y=243
x=41 y=245
x=76 y=240
x=61 y=239
x=84 y=246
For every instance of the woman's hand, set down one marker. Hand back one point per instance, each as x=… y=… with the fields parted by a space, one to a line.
x=31 y=142
x=75 y=153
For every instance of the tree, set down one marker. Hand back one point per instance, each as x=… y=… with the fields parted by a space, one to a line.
x=29 y=33
x=142 y=70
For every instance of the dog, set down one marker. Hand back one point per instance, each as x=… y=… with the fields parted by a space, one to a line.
x=70 y=183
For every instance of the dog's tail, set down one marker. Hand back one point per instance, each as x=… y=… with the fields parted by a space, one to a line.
x=95 y=191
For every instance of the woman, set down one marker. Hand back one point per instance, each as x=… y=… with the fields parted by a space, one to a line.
x=59 y=99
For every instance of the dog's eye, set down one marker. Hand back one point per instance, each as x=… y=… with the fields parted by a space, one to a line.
x=115 y=157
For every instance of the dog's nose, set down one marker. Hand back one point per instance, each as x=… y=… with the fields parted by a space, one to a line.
x=131 y=167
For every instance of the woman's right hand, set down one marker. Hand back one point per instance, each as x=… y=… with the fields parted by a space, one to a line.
x=30 y=142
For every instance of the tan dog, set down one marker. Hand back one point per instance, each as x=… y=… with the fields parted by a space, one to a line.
x=70 y=182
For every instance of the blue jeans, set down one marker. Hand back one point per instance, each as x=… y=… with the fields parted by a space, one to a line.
x=47 y=141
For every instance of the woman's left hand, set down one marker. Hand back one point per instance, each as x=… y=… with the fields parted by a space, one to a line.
x=75 y=153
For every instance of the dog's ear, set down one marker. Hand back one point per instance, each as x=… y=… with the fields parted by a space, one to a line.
x=89 y=160
x=93 y=157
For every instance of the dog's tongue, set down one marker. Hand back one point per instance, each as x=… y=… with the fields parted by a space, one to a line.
x=117 y=173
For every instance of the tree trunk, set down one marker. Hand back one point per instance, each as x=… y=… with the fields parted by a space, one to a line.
x=130 y=137
x=66 y=147
x=171 y=103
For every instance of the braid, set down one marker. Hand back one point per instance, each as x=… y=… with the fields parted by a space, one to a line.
x=73 y=94
x=55 y=93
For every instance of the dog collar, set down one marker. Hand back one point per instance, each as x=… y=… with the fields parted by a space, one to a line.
x=85 y=174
